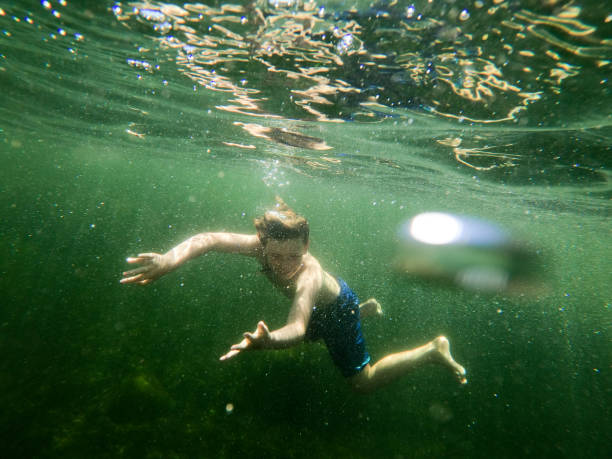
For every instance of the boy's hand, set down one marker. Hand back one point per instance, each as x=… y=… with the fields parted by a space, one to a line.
x=258 y=340
x=153 y=267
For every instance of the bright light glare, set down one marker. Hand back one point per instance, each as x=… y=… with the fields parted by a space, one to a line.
x=435 y=228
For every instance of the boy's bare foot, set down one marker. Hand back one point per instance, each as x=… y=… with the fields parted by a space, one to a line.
x=370 y=307
x=442 y=346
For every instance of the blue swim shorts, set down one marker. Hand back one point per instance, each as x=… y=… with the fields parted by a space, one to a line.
x=339 y=326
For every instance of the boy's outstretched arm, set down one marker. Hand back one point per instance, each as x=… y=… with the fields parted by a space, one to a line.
x=295 y=329
x=263 y=338
x=155 y=265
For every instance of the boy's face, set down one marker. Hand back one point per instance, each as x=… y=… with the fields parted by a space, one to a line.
x=285 y=257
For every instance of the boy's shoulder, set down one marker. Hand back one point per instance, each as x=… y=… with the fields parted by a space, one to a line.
x=314 y=271
x=326 y=287
x=311 y=263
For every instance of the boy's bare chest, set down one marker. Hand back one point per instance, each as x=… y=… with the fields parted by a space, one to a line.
x=287 y=287
x=327 y=289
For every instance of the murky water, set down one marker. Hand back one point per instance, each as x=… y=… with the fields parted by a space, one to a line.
x=127 y=127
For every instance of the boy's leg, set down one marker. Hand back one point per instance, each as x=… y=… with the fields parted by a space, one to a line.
x=369 y=308
x=394 y=365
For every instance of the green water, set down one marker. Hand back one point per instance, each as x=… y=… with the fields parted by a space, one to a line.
x=103 y=158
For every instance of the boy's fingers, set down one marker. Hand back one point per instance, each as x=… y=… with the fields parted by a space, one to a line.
x=147 y=255
x=136 y=260
x=141 y=258
x=128 y=280
x=229 y=355
x=133 y=272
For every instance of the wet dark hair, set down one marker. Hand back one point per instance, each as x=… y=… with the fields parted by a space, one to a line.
x=282 y=223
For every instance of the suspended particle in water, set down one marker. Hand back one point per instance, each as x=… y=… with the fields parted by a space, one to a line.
x=440 y=412
x=229 y=408
x=464 y=15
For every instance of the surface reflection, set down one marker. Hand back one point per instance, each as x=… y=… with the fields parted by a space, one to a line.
x=488 y=65
x=485 y=64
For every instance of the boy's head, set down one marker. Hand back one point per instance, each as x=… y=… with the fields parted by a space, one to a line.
x=284 y=236
x=282 y=224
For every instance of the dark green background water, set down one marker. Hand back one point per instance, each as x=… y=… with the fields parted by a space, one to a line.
x=91 y=368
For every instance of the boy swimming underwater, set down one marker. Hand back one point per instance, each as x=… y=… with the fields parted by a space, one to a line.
x=323 y=307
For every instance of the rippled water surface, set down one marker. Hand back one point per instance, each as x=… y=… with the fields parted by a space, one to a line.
x=127 y=127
